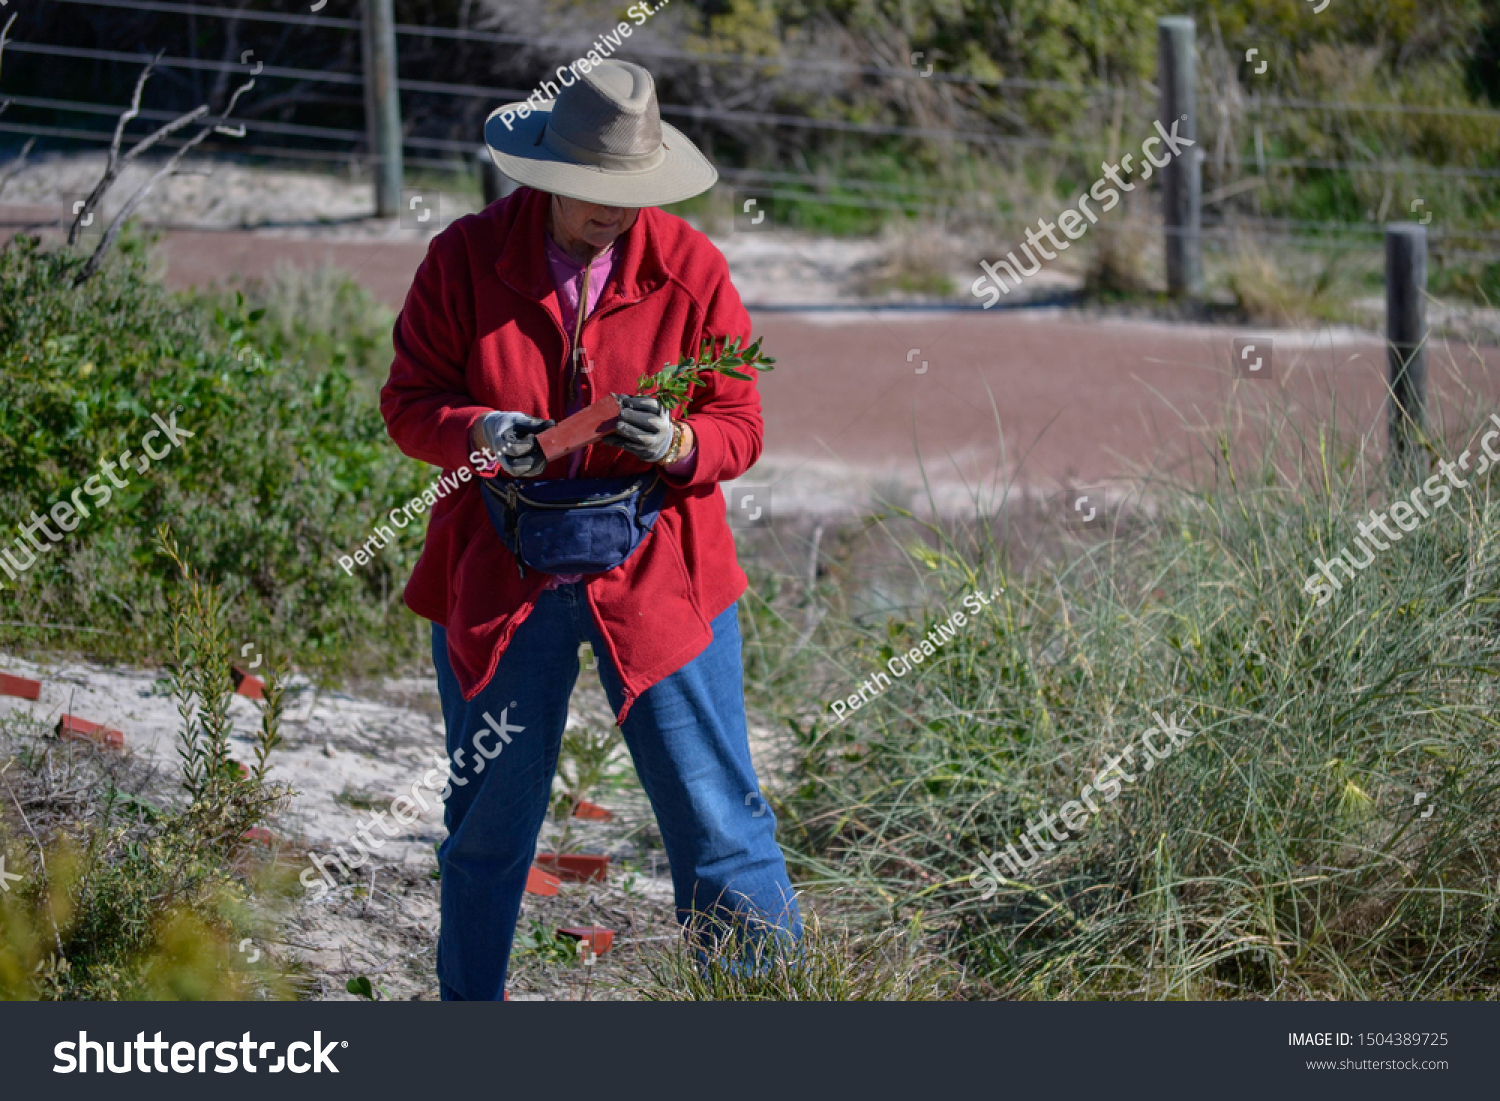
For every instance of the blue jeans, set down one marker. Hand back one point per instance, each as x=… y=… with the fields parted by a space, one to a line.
x=687 y=737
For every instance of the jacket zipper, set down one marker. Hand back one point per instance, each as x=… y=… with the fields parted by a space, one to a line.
x=589 y=319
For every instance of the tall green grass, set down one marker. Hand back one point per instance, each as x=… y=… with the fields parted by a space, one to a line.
x=1282 y=852
x=747 y=964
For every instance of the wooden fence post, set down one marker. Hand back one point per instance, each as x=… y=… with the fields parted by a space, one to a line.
x=1181 y=179
x=493 y=183
x=382 y=104
x=1406 y=335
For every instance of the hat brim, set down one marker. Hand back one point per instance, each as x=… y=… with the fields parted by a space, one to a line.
x=518 y=151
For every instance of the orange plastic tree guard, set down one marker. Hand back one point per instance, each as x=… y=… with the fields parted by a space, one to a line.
x=245 y=685
x=72 y=728
x=22 y=687
x=593 y=811
x=575 y=867
x=596 y=937
x=539 y=882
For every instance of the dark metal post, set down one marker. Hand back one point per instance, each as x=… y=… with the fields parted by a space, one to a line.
x=382 y=104
x=1181 y=180
x=493 y=183
x=1406 y=334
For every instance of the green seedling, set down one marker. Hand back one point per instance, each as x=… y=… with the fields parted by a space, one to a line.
x=364 y=988
x=674 y=382
x=546 y=945
x=583 y=764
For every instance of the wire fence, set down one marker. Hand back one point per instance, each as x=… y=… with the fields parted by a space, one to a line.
x=711 y=58
x=791 y=186
x=500 y=94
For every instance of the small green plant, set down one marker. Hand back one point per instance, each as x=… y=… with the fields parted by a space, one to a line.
x=546 y=945
x=128 y=896
x=583 y=764
x=202 y=686
x=362 y=986
x=675 y=381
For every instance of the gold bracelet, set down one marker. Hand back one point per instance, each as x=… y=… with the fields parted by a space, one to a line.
x=673 y=452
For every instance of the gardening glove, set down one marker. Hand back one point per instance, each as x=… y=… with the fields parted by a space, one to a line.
x=644 y=429
x=511 y=438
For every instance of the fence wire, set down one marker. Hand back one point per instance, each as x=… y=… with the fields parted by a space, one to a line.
x=791 y=186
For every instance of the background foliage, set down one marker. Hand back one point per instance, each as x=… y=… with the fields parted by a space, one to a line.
x=288 y=468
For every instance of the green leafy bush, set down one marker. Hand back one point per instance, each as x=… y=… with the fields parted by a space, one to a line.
x=286 y=468
x=127 y=892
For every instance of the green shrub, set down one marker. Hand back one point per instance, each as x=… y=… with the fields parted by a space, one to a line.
x=325 y=316
x=1477 y=281
x=286 y=469
x=130 y=893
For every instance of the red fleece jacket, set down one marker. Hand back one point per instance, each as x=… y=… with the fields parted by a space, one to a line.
x=481 y=330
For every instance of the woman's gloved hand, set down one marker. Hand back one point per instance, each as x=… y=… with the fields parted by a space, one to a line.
x=511 y=439
x=644 y=429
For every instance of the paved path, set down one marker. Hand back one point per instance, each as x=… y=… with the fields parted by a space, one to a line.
x=1046 y=398
x=1052 y=398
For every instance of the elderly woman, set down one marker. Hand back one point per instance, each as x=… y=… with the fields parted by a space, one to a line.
x=568 y=290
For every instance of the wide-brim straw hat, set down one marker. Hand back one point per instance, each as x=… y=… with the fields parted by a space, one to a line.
x=601 y=140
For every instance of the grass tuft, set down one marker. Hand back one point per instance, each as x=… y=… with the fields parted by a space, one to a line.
x=827 y=966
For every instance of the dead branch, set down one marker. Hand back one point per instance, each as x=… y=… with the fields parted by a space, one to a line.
x=17 y=164
x=169 y=169
x=115 y=164
x=4 y=34
x=112 y=164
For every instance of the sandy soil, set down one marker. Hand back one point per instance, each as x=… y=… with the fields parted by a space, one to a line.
x=349 y=753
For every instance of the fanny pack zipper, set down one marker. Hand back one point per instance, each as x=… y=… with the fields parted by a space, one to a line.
x=512 y=495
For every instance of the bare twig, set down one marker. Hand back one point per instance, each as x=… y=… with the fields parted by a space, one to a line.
x=113 y=170
x=168 y=169
x=40 y=855
x=4 y=34
x=135 y=108
x=117 y=162
x=17 y=164
x=112 y=164
x=236 y=131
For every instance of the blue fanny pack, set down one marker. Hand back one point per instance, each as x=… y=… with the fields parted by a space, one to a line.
x=574 y=525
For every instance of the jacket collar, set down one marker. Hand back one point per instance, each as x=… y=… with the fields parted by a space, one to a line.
x=522 y=263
